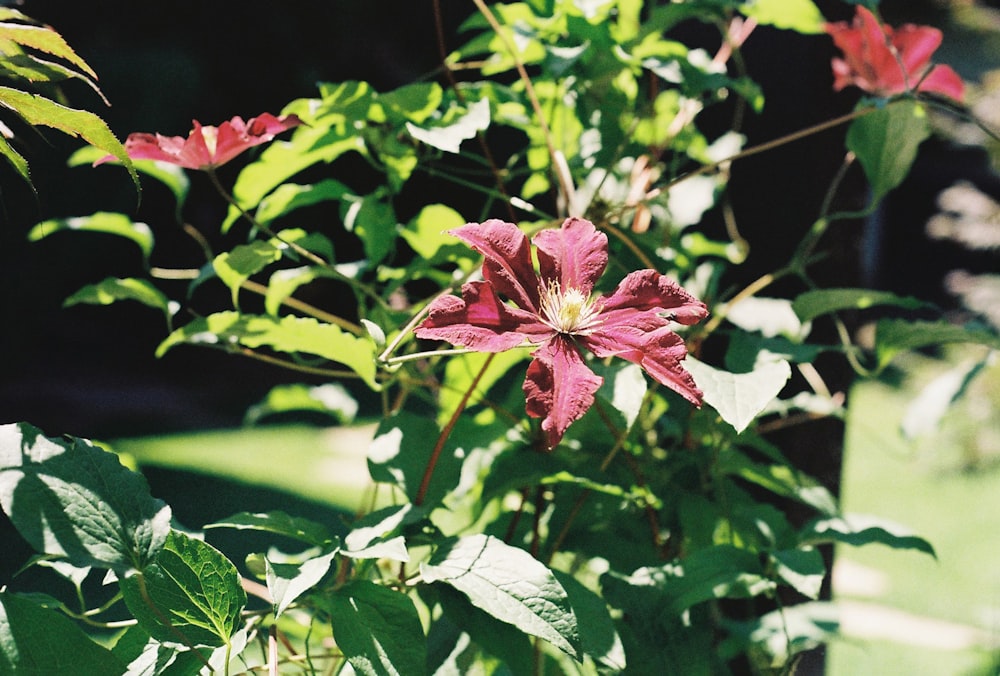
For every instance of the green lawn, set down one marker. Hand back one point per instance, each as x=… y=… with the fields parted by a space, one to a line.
x=905 y=612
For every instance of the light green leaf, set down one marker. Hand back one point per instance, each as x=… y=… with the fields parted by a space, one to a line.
x=449 y=137
x=378 y=630
x=114 y=289
x=376 y=535
x=801 y=16
x=286 y=334
x=414 y=102
x=401 y=450
x=43 y=39
x=426 y=232
x=739 y=397
x=15 y=159
x=288 y=581
x=102 y=221
x=925 y=413
x=38 y=641
x=280 y=523
x=372 y=218
x=812 y=304
x=862 y=529
x=462 y=369
x=195 y=594
x=67 y=497
x=886 y=142
x=239 y=264
x=38 y=110
x=509 y=584
x=893 y=336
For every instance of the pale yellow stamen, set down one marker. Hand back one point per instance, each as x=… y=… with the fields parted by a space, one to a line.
x=570 y=311
x=210 y=134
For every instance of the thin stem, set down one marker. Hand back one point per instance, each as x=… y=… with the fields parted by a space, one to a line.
x=425 y=482
x=308 y=309
x=424 y=355
x=529 y=89
x=302 y=368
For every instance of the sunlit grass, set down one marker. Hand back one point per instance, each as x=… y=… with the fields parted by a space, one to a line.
x=945 y=486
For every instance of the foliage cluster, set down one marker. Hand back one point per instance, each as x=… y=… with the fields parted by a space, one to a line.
x=654 y=538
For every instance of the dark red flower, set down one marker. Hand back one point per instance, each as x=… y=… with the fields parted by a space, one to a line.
x=556 y=310
x=207 y=147
x=886 y=61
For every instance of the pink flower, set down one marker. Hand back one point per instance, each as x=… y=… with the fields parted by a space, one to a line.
x=556 y=310
x=885 y=62
x=207 y=147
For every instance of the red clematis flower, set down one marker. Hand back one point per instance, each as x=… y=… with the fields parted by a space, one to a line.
x=207 y=147
x=884 y=61
x=556 y=310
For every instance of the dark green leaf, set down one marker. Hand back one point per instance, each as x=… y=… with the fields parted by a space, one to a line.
x=330 y=399
x=191 y=594
x=280 y=523
x=598 y=636
x=146 y=656
x=175 y=178
x=859 y=529
x=36 y=641
x=812 y=304
x=70 y=498
x=509 y=584
x=401 y=450
x=886 y=141
x=378 y=630
x=803 y=569
x=893 y=336
x=288 y=581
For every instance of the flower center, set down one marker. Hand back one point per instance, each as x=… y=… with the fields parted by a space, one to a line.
x=570 y=311
x=211 y=135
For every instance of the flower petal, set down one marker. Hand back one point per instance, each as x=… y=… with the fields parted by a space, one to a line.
x=658 y=352
x=142 y=146
x=943 y=80
x=575 y=254
x=559 y=388
x=236 y=136
x=647 y=290
x=480 y=321
x=915 y=45
x=507 y=263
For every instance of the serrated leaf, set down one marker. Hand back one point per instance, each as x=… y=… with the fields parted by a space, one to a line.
x=893 y=336
x=288 y=581
x=38 y=110
x=886 y=141
x=509 y=584
x=243 y=261
x=286 y=334
x=812 y=304
x=45 y=40
x=191 y=594
x=36 y=640
x=801 y=16
x=862 y=529
x=70 y=498
x=280 y=523
x=378 y=630
x=114 y=289
x=449 y=137
x=15 y=159
x=102 y=221
x=739 y=397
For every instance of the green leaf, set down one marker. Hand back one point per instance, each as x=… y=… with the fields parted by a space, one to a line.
x=886 y=142
x=286 y=334
x=803 y=569
x=280 y=523
x=373 y=219
x=70 y=498
x=38 y=110
x=102 y=221
x=44 y=39
x=812 y=304
x=288 y=581
x=771 y=317
x=378 y=630
x=376 y=535
x=450 y=136
x=401 y=450
x=509 y=584
x=15 y=159
x=801 y=16
x=781 y=479
x=462 y=369
x=191 y=594
x=426 y=233
x=739 y=397
x=39 y=641
x=290 y=196
x=148 y=657
x=175 y=178
x=861 y=529
x=598 y=637
x=239 y=264
x=114 y=289
x=893 y=336
x=414 y=102
x=330 y=399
